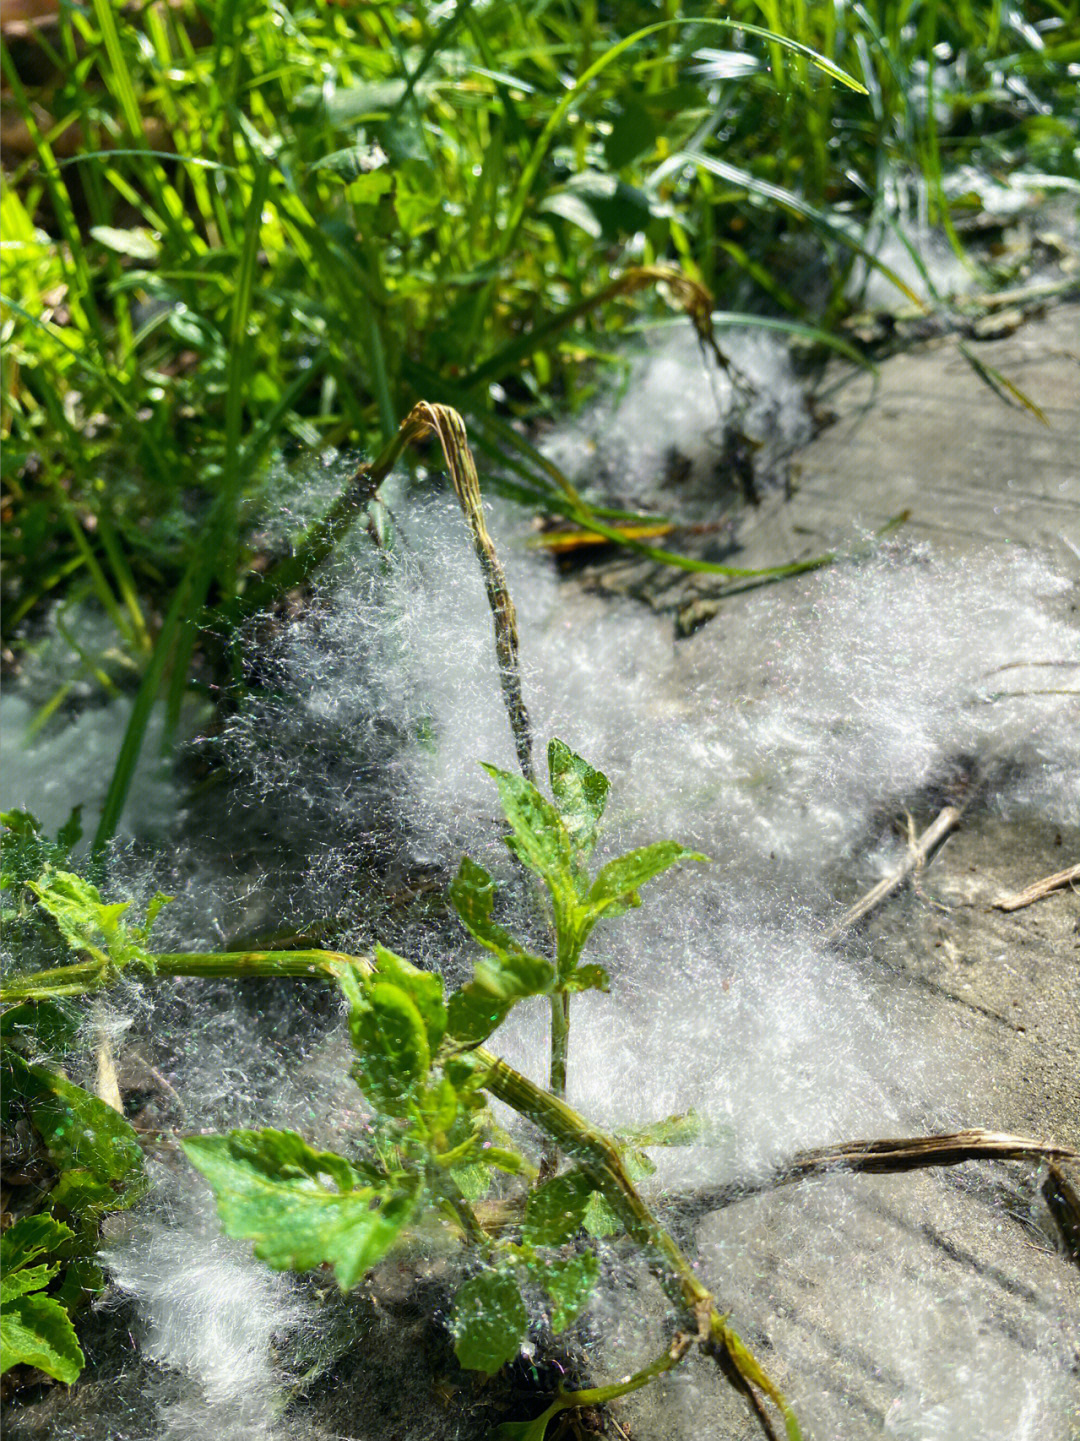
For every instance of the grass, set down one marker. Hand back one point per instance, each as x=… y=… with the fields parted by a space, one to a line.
x=238 y=231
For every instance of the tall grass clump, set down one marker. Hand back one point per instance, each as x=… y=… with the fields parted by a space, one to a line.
x=239 y=231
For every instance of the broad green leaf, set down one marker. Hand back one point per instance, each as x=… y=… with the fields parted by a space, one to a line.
x=30 y=1278
x=81 y=1194
x=569 y=1283
x=80 y=1132
x=620 y=879
x=475 y=1012
x=580 y=793
x=539 y=839
x=301 y=1207
x=30 y=1237
x=489 y=1321
x=555 y=1211
x=390 y=1037
x=40 y=1026
x=424 y=989
x=481 y=1005
x=37 y=1331
x=587 y=978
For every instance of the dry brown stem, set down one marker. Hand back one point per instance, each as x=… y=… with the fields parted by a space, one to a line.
x=920 y=852
x=1038 y=889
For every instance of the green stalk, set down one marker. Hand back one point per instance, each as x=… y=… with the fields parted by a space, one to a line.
x=560 y=1042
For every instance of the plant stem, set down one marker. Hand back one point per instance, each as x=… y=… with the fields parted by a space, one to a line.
x=594 y=1151
x=84 y=976
x=560 y=1043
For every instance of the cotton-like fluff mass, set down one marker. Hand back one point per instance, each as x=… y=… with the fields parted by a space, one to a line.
x=781 y=741
x=662 y=442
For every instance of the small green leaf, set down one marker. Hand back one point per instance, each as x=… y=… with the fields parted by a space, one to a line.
x=569 y=1283
x=534 y=1430
x=30 y=1237
x=481 y=1005
x=389 y=1034
x=302 y=1208
x=475 y=1012
x=620 y=879
x=581 y=794
x=600 y=1219
x=30 y=1278
x=539 y=839
x=37 y=1331
x=158 y=901
x=555 y=1211
x=80 y=1132
x=489 y=1322
x=424 y=989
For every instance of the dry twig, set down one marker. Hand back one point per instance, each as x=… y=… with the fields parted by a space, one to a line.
x=1038 y=889
x=919 y=854
x=884 y=1156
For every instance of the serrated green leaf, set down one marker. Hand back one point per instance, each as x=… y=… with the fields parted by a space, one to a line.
x=80 y=1132
x=301 y=1207
x=31 y=1236
x=86 y=921
x=480 y=1006
x=600 y=1220
x=620 y=879
x=489 y=1321
x=555 y=1211
x=474 y=1012
x=390 y=1038
x=587 y=978
x=424 y=989
x=37 y=1331
x=580 y=793
x=539 y=839
x=29 y=1278
x=569 y=1283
